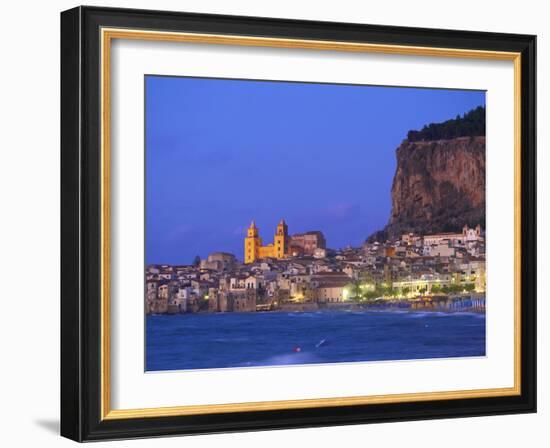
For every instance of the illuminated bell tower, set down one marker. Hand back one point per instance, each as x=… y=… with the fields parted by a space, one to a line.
x=252 y=244
x=281 y=239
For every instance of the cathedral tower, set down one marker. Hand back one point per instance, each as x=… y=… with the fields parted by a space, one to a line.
x=281 y=239
x=252 y=244
x=253 y=249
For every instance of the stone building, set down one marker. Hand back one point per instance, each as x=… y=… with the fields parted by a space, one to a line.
x=307 y=243
x=219 y=261
x=243 y=302
x=467 y=234
x=330 y=292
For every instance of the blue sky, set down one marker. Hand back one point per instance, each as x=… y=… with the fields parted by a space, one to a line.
x=220 y=153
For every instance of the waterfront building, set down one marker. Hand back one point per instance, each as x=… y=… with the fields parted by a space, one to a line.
x=324 y=278
x=331 y=292
x=241 y=301
x=218 y=302
x=251 y=282
x=163 y=291
x=151 y=289
x=237 y=282
x=157 y=306
x=422 y=283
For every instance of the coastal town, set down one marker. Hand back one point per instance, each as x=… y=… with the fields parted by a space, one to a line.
x=299 y=272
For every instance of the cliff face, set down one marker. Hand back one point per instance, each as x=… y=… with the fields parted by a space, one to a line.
x=438 y=186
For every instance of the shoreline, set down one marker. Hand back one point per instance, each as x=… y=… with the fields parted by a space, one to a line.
x=456 y=304
x=331 y=310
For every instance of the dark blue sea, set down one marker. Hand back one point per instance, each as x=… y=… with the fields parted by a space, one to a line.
x=205 y=341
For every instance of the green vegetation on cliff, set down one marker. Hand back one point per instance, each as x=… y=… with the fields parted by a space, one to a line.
x=470 y=124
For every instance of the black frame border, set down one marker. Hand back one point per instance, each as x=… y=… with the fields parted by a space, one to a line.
x=81 y=223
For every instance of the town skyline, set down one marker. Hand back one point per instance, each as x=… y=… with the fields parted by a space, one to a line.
x=205 y=185
x=296 y=272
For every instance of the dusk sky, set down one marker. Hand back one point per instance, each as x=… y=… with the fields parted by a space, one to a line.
x=220 y=153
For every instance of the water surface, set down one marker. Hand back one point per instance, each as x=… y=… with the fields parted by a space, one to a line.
x=203 y=341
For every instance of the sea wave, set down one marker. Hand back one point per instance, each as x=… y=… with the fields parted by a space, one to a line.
x=289 y=359
x=469 y=313
x=420 y=315
x=231 y=339
x=304 y=314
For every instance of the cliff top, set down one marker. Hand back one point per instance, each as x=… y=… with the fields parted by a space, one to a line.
x=471 y=124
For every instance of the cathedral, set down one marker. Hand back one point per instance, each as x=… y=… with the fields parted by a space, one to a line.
x=283 y=245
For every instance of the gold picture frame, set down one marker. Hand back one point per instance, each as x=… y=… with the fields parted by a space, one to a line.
x=517 y=49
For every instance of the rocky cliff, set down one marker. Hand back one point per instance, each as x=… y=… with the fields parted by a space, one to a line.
x=438 y=186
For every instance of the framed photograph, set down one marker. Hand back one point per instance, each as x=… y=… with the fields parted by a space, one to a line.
x=273 y=223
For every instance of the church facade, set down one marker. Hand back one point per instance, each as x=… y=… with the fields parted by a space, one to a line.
x=283 y=245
